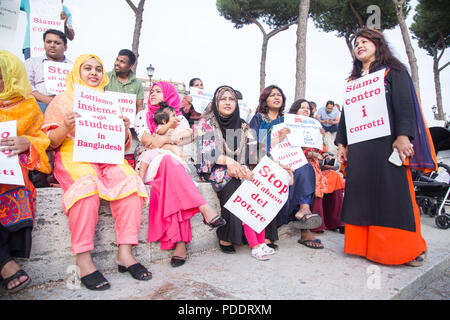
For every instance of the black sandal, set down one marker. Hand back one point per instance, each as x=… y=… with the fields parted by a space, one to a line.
x=20 y=286
x=137 y=271
x=216 y=222
x=95 y=281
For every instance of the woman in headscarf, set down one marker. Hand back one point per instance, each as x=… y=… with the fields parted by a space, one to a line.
x=269 y=113
x=220 y=160
x=18 y=203
x=84 y=184
x=380 y=210
x=174 y=198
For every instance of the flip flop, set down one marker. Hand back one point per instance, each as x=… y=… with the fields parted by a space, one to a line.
x=20 y=286
x=312 y=222
x=308 y=243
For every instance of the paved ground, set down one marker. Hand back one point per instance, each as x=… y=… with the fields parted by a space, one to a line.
x=294 y=273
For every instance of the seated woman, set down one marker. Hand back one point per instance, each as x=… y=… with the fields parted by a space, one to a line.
x=84 y=184
x=329 y=194
x=18 y=203
x=174 y=198
x=269 y=113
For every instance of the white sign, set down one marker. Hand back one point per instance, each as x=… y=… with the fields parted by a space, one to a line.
x=44 y=15
x=127 y=104
x=305 y=131
x=200 y=99
x=9 y=15
x=99 y=132
x=365 y=108
x=243 y=109
x=285 y=152
x=257 y=202
x=55 y=76
x=10 y=170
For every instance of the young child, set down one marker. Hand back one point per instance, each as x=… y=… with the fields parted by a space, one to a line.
x=256 y=241
x=168 y=124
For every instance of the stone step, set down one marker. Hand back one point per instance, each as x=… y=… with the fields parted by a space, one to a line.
x=51 y=255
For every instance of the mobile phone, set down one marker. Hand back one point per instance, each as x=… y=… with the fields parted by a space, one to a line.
x=395 y=158
x=330 y=162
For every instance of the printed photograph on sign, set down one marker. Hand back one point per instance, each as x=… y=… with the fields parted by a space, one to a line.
x=99 y=132
x=305 y=131
x=10 y=170
x=365 y=108
x=257 y=202
x=200 y=98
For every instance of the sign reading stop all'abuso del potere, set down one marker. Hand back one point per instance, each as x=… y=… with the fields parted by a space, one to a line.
x=55 y=76
x=365 y=108
x=10 y=171
x=99 y=132
x=257 y=202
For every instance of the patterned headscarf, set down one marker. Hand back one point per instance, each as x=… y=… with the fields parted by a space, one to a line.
x=170 y=95
x=74 y=76
x=15 y=77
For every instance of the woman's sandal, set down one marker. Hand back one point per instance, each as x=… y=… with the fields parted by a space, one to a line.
x=267 y=249
x=215 y=222
x=20 y=286
x=313 y=221
x=137 y=271
x=311 y=243
x=260 y=254
x=418 y=261
x=95 y=281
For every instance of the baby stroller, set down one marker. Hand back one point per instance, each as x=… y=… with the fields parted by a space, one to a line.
x=433 y=190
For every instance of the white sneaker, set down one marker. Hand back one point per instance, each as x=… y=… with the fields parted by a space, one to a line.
x=260 y=254
x=267 y=249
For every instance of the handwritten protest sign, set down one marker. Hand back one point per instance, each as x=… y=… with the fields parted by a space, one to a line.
x=285 y=152
x=305 y=131
x=99 y=132
x=44 y=15
x=9 y=15
x=127 y=104
x=10 y=171
x=55 y=76
x=200 y=99
x=365 y=108
x=257 y=202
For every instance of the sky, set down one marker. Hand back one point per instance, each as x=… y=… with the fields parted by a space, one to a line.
x=186 y=39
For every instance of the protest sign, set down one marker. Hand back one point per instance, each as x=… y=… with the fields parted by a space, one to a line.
x=365 y=108
x=285 y=152
x=10 y=171
x=200 y=99
x=44 y=15
x=257 y=202
x=243 y=109
x=127 y=104
x=305 y=131
x=99 y=132
x=55 y=76
x=9 y=15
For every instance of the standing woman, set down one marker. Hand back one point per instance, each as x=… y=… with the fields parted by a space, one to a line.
x=84 y=183
x=18 y=203
x=174 y=198
x=270 y=110
x=380 y=210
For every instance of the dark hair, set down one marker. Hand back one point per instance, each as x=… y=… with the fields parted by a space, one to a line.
x=383 y=55
x=131 y=56
x=238 y=94
x=56 y=32
x=161 y=115
x=329 y=102
x=312 y=104
x=191 y=83
x=296 y=106
x=262 y=106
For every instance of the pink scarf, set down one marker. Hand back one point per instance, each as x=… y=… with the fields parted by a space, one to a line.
x=172 y=98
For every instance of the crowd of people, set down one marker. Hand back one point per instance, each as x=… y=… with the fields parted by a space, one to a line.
x=380 y=219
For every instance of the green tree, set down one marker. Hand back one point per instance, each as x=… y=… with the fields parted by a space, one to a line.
x=347 y=16
x=432 y=30
x=277 y=14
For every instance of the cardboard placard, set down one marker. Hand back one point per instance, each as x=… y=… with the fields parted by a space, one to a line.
x=10 y=170
x=55 y=76
x=9 y=15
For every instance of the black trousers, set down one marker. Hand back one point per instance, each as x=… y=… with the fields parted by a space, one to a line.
x=14 y=244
